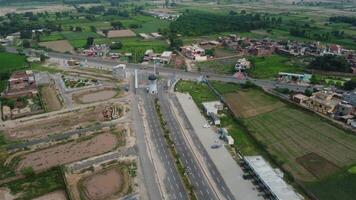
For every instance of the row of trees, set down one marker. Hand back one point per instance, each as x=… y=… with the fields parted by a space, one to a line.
x=331 y=63
x=343 y=19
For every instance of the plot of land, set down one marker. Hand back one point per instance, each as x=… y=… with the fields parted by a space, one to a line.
x=60 y=123
x=95 y=96
x=69 y=152
x=121 y=33
x=317 y=165
x=57 y=195
x=104 y=184
x=251 y=103
x=50 y=98
x=60 y=46
x=289 y=134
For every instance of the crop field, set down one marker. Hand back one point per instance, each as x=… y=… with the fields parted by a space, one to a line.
x=69 y=152
x=59 y=45
x=121 y=33
x=9 y=63
x=269 y=66
x=249 y=103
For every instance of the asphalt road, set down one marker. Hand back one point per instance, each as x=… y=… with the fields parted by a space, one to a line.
x=195 y=174
x=179 y=73
x=172 y=181
x=211 y=166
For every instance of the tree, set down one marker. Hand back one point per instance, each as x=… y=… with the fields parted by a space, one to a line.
x=2 y=48
x=106 y=32
x=28 y=171
x=26 y=44
x=330 y=63
x=350 y=85
x=117 y=25
x=90 y=42
x=308 y=92
x=26 y=34
x=93 y=29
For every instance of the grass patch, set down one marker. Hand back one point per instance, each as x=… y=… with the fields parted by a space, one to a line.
x=269 y=66
x=37 y=185
x=341 y=185
x=223 y=66
x=9 y=63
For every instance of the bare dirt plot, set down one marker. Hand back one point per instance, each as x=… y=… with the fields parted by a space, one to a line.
x=57 y=195
x=36 y=9
x=121 y=33
x=251 y=103
x=289 y=134
x=317 y=165
x=56 y=124
x=95 y=96
x=103 y=185
x=50 y=98
x=59 y=45
x=69 y=152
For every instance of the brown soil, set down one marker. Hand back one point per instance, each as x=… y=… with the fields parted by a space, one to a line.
x=317 y=165
x=103 y=185
x=247 y=104
x=57 y=195
x=121 y=33
x=59 y=45
x=95 y=96
x=50 y=98
x=69 y=152
x=57 y=124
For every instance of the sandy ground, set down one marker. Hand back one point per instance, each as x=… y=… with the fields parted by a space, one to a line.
x=60 y=123
x=69 y=152
x=6 y=195
x=121 y=33
x=57 y=195
x=103 y=185
x=97 y=96
x=35 y=9
x=59 y=45
x=50 y=98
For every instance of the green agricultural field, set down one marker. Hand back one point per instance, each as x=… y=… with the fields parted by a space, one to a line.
x=79 y=35
x=149 y=24
x=9 y=63
x=269 y=66
x=52 y=37
x=223 y=66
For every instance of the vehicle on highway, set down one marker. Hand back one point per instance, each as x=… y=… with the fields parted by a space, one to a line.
x=207 y=125
x=215 y=146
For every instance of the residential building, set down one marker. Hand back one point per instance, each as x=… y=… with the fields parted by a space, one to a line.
x=212 y=107
x=323 y=102
x=194 y=52
x=242 y=64
x=20 y=84
x=166 y=57
x=299 y=98
x=215 y=118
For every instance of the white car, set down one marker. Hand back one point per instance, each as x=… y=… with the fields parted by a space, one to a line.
x=206 y=126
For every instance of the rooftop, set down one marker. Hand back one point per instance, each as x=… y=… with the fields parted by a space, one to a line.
x=271 y=179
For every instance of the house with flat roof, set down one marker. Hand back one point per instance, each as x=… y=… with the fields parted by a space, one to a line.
x=323 y=102
x=21 y=84
x=212 y=107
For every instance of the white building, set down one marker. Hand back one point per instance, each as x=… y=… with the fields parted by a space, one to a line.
x=166 y=57
x=230 y=140
x=242 y=64
x=272 y=180
x=212 y=107
x=215 y=118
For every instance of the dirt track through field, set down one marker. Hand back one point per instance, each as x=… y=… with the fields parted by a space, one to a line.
x=69 y=152
x=97 y=96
